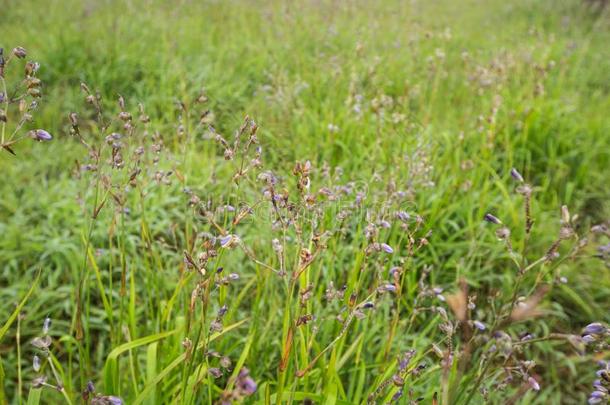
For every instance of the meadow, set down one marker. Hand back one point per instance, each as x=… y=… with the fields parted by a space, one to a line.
x=317 y=202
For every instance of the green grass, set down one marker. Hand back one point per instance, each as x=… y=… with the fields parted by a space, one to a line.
x=436 y=99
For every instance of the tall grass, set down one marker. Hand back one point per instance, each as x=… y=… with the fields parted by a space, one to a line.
x=414 y=208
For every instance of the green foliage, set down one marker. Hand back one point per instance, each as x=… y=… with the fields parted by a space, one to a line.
x=438 y=100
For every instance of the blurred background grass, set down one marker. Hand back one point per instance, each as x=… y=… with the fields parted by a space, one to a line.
x=295 y=68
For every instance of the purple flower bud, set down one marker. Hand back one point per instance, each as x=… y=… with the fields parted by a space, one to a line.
x=245 y=384
x=90 y=387
x=533 y=383
x=479 y=325
x=516 y=175
x=403 y=216
x=596 y=397
x=112 y=400
x=386 y=248
x=40 y=135
x=527 y=337
x=248 y=386
x=389 y=287
x=594 y=328
x=225 y=241
x=368 y=305
x=589 y=339
x=597 y=384
x=490 y=218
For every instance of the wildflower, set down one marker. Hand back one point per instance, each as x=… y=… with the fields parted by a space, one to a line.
x=20 y=52
x=595 y=328
x=533 y=384
x=228 y=241
x=384 y=224
x=596 y=397
x=40 y=135
x=46 y=325
x=438 y=292
x=386 y=248
x=36 y=363
x=479 y=325
x=492 y=219
x=387 y=287
x=516 y=175
x=215 y=372
x=403 y=216
x=245 y=384
x=112 y=400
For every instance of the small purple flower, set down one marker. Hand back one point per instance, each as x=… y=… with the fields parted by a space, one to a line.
x=596 y=397
x=112 y=400
x=386 y=248
x=479 y=325
x=490 y=218
x=368 y=305
x=527 y=337
x=226 y=241
x=40 y=135
x=389 y=287
x=533 y=383
x=403 y=216
x=516 y=175
x=597 y=384
x=245 y=384
x=384 y=224
x=595 y=328
x=90 y=387
x=589 y=339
